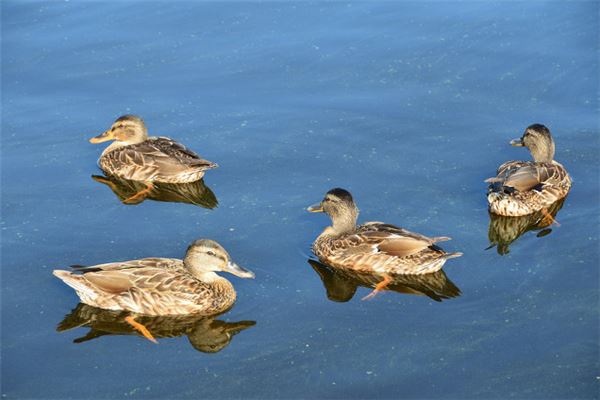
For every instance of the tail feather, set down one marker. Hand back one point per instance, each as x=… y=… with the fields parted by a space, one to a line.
x=448 y=256
x=440 y=239
x=76 y=282
x=494 y=179
x=204 y=164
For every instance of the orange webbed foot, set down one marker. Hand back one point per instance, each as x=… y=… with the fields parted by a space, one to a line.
x=139 y=195
x=548 y=218
x=140 y=328
x=379 y=287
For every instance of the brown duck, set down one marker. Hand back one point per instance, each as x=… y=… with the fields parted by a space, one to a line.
x=374 y=247
x=160 y=286
x=135 y=156
x=525 y=187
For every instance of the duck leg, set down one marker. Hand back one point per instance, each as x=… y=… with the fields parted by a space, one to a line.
x=379 y=287
x=548 y=218
x=140 y=328
x=140 y=195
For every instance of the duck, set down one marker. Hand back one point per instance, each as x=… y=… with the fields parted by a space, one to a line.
x=160 y=286
x=525 y=187
x=135 y=156
x=373 y=247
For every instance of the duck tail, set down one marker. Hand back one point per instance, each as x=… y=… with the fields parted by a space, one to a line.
x=494 y=179
x=440 y=239
x=204 y=164
x=448 y=256
x=75 y=281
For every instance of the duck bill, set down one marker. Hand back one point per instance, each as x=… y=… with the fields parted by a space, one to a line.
x=315 y=208
x=517 y=143
x=236 y=270
x=103 y=137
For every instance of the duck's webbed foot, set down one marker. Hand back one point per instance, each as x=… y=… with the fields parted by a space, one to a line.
x=548 y=218
x=379 y=287
x=139 y=196
x=140 y=328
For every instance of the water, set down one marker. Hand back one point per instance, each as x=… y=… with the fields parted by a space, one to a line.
x=409 y=106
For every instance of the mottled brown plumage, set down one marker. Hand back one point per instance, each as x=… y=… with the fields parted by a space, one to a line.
x=160 y=286
x=374 y=246
x=525 y=187
x=205 y=333
x=137 y=157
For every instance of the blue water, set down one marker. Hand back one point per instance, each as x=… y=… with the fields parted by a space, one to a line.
x=408 y=105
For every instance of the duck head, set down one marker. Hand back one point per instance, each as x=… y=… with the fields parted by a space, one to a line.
x=538 y=140
x=339 y=205
x=204 y=257
x=128 y=129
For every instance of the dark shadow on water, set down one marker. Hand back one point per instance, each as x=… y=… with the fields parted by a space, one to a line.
x=505 y=230
x=341 y=285
x=206 y=334
x=196 y=193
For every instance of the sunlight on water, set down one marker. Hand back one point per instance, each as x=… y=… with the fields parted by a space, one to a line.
x=407 y=105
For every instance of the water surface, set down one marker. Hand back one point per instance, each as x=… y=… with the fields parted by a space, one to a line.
x=410 y=106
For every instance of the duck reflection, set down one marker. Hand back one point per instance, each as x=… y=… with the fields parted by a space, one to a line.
x=342 y=284
x=128 y=191
x=505 y=230
x=206 y=334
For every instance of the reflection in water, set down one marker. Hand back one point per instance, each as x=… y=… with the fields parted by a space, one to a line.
x=196 y=193
x=342 y=284
x=505 y=230
x=206 y=334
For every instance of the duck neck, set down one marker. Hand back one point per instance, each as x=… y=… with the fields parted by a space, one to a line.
x=542 y=153
x=343 y=223
x=114 y=145
x=207 y=277
x=202 y=275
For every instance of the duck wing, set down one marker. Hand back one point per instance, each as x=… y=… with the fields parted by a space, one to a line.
x=523 y=176
x=176 y=151
x=378 y=237
x=145 y=287
x=155 y=156
x=147 y=273
x=150 y=262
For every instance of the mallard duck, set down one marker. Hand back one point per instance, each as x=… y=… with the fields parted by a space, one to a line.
x=135 y=156
x=205 y=333
x=524 y=187
x=374 y=247
x=160 y=286
x=196 y=193
x=341 y=284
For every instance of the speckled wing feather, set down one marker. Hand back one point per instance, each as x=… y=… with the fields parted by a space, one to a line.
x=149 y=286
x=377 y=238
x=156 y=158
x=172 y=264
x=524 y=176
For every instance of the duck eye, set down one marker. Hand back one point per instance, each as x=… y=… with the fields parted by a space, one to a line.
x=211 y=253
